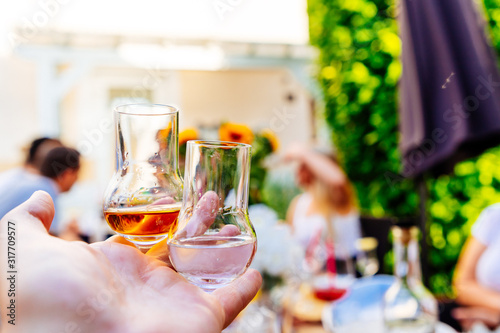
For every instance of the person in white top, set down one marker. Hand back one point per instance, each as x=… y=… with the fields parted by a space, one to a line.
x=327 y=209
x=477 y=275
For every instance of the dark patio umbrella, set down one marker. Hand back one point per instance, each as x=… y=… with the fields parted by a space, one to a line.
x=450 y=88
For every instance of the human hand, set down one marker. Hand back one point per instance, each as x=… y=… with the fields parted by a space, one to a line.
x=104 y=287
x=71 y=232
x=468 y=316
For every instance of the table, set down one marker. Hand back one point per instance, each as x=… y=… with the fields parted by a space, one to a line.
x=440 y=328
x=310 y=309
x=301 y=314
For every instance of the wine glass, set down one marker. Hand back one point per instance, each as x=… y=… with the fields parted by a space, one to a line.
x=366 y=257
x=143 y=199
x=337 y=275
x=215 y=241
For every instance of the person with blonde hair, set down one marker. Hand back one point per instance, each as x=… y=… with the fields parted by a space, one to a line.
x=328 y=206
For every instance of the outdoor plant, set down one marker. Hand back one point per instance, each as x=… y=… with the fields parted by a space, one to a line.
x=263 y=143
x=358 y=70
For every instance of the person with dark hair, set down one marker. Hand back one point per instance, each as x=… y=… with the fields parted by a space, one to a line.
x=35 y=156
x=49 y=167
x=62 y=165
x=37 y=152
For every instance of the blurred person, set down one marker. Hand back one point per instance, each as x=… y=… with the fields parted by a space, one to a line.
x=107 y=286
x=62 y=165
x=477 y=274
x=29 y=173
x=38 y=151
x=57 y=174
x=328 y=205
x=34 y=158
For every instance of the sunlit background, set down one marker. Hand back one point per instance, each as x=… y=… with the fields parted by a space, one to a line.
x=66 y=64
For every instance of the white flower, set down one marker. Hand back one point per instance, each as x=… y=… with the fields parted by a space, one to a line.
x=274 y=241
x=262 y=216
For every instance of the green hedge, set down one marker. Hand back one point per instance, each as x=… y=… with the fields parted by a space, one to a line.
x=359 y=68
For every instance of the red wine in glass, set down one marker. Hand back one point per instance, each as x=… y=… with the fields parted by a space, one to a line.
x=331 y=290
x=330 y=293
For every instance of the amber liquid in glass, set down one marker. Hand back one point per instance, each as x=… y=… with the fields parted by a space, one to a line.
x=130 y=221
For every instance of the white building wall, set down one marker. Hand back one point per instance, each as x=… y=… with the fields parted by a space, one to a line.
x=258 y=98
x=18 y=115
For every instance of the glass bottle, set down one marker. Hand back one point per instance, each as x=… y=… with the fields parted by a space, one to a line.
x=143 y=199
x=215 y=241
x=408 y=305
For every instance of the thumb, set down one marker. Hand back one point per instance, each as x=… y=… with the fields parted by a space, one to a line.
x=160 y=252
x=235 y=296
x=38 y=208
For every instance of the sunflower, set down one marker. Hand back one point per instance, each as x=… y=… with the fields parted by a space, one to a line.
x=235 y=133
x=189 y=133
x=271 y=137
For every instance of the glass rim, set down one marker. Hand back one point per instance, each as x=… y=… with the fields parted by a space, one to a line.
x=218 y=144
x=165 y=109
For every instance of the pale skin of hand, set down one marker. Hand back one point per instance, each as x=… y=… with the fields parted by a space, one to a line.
x=104 y=287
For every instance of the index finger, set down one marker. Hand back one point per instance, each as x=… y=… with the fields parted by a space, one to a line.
x=203 y=216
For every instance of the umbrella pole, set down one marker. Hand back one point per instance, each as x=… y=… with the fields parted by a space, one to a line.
x=424 y=247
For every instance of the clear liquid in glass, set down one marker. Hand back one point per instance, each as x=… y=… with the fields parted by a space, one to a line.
x=210 y=260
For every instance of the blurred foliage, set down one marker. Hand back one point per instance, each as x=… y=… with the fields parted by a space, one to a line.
x=457 y=200
x=263 y=143
x=359 y=68
x=261 y=148
x=359 y=49
x=279 y=189
x=454 y=204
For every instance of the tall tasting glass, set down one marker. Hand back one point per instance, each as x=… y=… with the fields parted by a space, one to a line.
x=143 y=198
x=215 y=241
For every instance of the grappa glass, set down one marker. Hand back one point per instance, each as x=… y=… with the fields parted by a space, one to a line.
x=143 y=199
x=337 y=273
x=215 y=241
